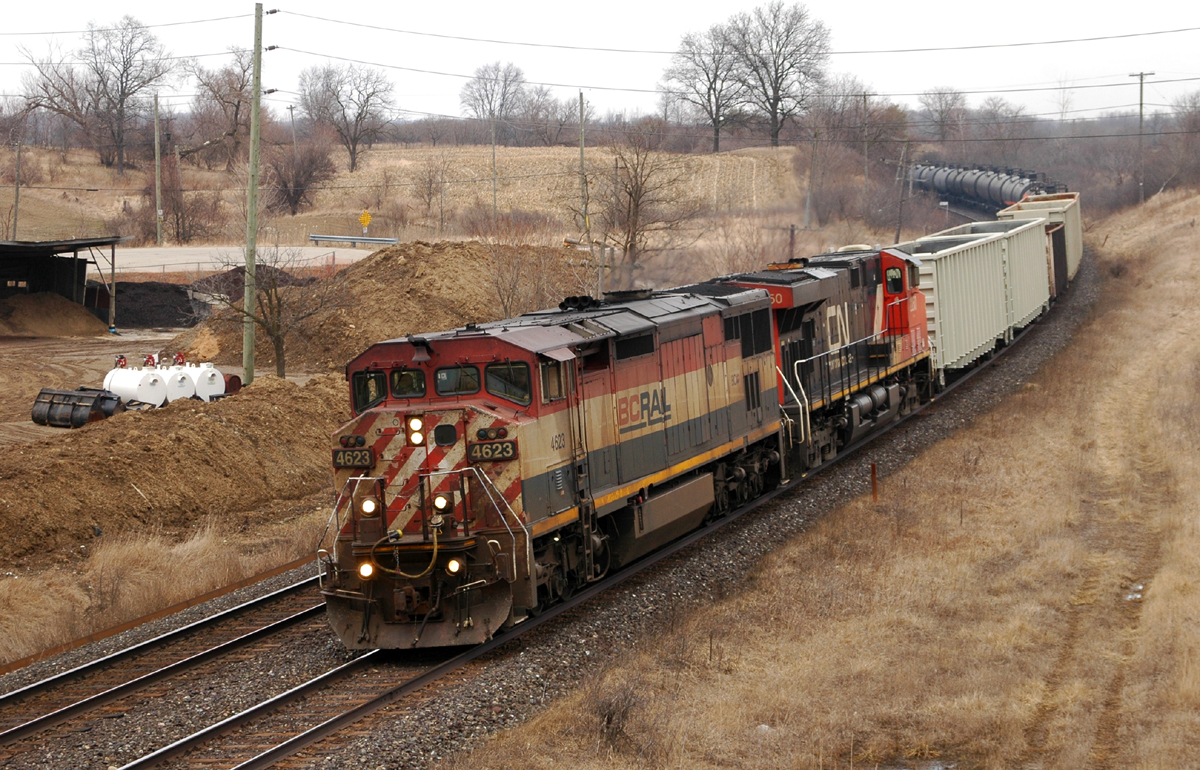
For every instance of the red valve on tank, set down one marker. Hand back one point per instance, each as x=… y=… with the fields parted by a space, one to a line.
x=179 y=359
x=150 y=360
x=120 y=362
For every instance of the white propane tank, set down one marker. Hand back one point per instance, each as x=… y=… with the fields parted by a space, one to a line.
x=207 y=379
x=179 y=385
x=148 y=385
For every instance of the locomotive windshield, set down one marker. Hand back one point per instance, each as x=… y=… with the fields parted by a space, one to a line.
x=509 y=380
x=369 y=389
x=456 y=381
x=408 y=383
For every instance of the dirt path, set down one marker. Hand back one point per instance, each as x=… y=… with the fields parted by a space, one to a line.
x=28 y=364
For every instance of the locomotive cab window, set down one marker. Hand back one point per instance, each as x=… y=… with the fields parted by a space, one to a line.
x=895 y=280
x=369 y=389
x=456 y=381
x=914 y=276
x=408 y=383
x=552 y=381
x=509 y=380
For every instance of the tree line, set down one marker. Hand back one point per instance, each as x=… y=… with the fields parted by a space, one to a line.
x=760 y=77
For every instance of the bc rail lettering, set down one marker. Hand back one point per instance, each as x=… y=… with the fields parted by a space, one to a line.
x=642 y=410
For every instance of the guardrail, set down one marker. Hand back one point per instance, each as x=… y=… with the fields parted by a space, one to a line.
x=353 y=240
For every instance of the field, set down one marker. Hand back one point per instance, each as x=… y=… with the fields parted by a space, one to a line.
x=1025 y=593
x=544 y=181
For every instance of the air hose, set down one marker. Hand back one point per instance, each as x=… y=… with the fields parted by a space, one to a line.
x=398 y=571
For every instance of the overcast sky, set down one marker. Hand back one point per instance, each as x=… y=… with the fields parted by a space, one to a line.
x=626 y=80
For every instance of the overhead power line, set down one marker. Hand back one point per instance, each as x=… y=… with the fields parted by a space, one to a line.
x=606 y=49
x=114 y=29
x=463 y=76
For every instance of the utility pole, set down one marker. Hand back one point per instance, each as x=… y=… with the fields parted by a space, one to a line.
x=158 y=209
x=903 y=170
x=812 y=172
x=1141 y=76
x=866 y=163
x=252 y=205
x=583 y=196
x=17 y=191
x=493 y=174
x=292 y=113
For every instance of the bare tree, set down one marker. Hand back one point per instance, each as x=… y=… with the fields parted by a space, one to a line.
x=430 y=184
x=352 y=100
x=1000 y=123
x=946 y=108
x=221 y=108
x=291 y=174
x=286 y=300
x=496 y=93
x=704 y=74
x=781 y=53
x=118 y=65
x=642 y=200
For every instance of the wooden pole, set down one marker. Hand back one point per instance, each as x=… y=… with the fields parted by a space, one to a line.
x=158 y=209
x=252 y=205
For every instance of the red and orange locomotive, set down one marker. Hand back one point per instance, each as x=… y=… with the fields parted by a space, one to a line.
x=494 y=469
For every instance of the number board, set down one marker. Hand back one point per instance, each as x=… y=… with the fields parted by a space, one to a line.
x=353 y=458
x=492 y=451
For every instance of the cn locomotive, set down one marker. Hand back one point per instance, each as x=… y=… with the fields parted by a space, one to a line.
x=494 y=469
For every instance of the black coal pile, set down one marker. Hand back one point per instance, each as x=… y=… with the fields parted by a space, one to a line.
x=151 y=305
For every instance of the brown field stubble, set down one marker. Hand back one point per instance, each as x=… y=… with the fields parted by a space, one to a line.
x=986 y=610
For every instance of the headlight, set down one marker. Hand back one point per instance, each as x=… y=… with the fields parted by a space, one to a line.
x=416 y=438
x=368 y=506
x=453 y=567
x=415 y=424
x=366 y=570
x=441 y=502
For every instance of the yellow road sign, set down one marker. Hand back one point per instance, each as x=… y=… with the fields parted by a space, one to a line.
x=365 y=219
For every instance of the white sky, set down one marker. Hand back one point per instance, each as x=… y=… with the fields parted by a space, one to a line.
x=658 y=25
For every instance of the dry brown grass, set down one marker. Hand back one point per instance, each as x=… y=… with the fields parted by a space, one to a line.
x=983 y=611
x=129 y=575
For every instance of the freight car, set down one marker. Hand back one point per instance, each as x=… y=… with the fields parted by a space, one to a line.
x=496 y=468
x=989 y=189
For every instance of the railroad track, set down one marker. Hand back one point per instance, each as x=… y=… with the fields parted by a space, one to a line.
x=102 y=685
x=268 y=733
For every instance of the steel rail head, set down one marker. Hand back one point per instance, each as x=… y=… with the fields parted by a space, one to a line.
x=137 y=649
x=46 y=721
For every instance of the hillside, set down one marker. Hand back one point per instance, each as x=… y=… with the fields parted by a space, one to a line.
x=403 y=289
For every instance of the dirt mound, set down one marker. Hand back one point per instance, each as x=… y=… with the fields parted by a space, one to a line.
x=170 y=468
x=408 y=288
x=47 y=315
x=152 y=305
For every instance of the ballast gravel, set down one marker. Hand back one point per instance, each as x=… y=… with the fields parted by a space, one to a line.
x=518 y=680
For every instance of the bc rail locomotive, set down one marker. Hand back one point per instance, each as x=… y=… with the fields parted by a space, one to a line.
x=494 y=469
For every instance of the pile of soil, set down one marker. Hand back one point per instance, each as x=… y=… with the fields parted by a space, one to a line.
x=404 y=289
x=170 y=468
x=152 y=305
x=47 y=315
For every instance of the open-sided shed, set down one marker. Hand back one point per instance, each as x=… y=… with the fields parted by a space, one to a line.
x=60 y=267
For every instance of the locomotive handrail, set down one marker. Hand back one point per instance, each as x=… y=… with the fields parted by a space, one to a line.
x=782 y=376
x=487 y=483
